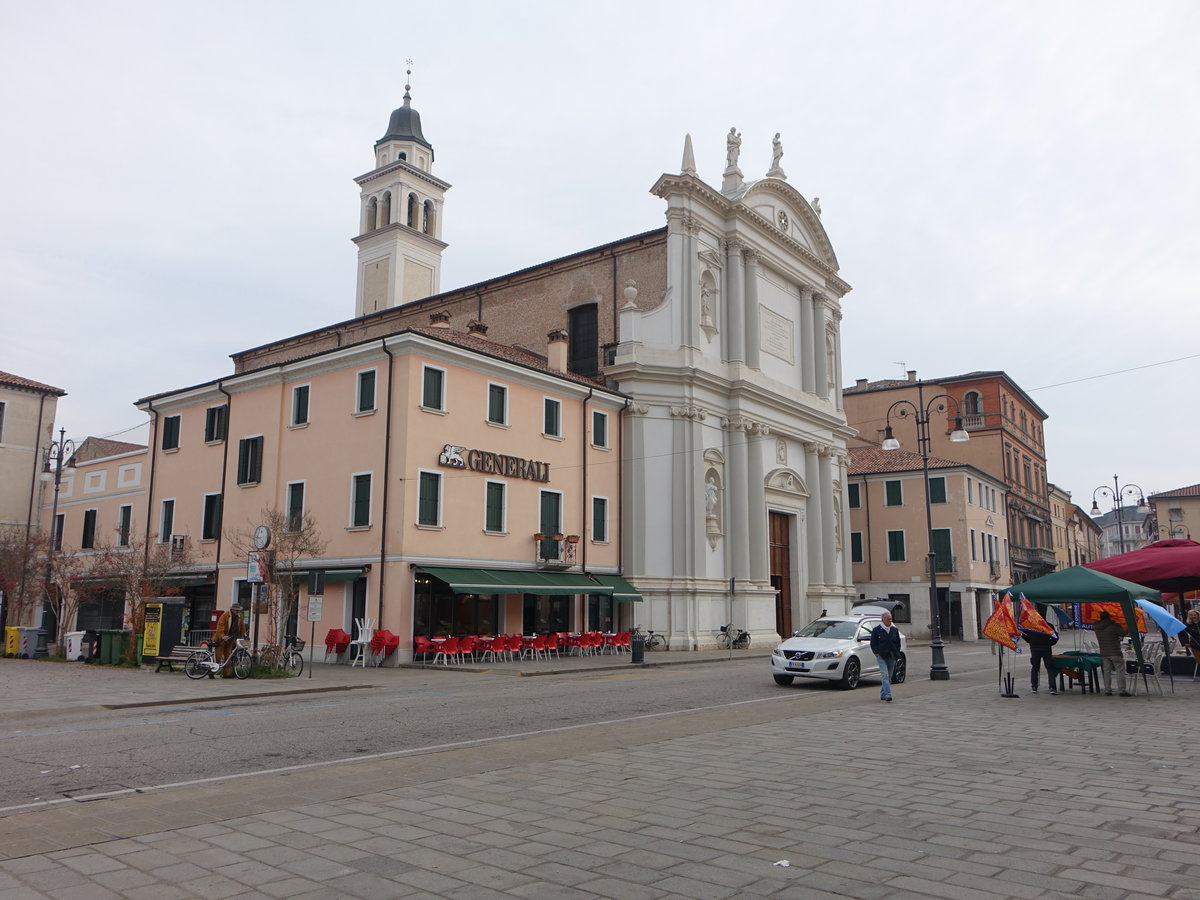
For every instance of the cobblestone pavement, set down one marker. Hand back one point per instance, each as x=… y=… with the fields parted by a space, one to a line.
x=951 y=791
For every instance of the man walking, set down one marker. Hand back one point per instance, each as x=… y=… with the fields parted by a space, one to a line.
x=885 y=644
x=1108 y=636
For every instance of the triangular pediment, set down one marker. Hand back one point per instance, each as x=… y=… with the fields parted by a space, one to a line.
x=783 y=207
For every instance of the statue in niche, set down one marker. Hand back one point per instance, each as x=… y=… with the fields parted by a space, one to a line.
x=781 y=451
x=706 y=305
x=733 y=146
x=712 y=502
x=837 y=523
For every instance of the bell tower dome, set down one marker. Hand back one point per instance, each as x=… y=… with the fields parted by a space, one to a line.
x=400 y=225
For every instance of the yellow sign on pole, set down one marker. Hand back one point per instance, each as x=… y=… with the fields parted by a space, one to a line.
x=153 y=629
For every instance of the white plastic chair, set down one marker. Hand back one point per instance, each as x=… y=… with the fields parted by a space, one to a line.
x=360 y=648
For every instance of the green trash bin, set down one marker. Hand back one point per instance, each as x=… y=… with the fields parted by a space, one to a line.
x=140 y=639
x=113 y=644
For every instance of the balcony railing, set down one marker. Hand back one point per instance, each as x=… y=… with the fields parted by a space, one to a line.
x=555 y=553
x=945 y=564
x=970 y=423
x=994 y=568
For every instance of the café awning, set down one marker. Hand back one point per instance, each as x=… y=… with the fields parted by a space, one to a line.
x=514 y=581
x=622 y=590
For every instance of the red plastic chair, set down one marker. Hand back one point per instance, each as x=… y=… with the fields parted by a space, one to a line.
x=466 y=647
x=422 y=646
x=336 y=642
x=513 y=645
x=448 y=648
x=551 y=645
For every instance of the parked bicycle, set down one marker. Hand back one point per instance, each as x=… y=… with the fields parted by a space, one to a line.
x=204 y=661
x=739 y=639
x=288 y=659
x=653 y=640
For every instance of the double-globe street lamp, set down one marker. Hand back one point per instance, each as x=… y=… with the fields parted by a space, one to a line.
x=59 y=458
x=1117 y=492
x=921 y=413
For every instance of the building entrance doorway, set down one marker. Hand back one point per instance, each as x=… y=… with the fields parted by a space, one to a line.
x=779 y=536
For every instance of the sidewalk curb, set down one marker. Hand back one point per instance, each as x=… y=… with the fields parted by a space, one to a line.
x=615 y=667
x=210 y=699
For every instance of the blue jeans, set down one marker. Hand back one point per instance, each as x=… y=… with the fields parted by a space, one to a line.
x=886 y=665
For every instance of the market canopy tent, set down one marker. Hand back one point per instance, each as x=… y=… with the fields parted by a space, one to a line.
x=1172 y=565
x=1080 y=584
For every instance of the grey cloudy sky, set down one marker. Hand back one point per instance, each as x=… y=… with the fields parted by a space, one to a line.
x=1007 y=185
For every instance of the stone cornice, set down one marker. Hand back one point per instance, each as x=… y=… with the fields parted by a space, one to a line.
x=743 y=423
x=374 y=236
x=695 y=413
x=401 y=166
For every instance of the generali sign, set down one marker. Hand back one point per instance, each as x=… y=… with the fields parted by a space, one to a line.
x=455 y=457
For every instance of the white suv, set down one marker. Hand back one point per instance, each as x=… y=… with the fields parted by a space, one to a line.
x=835 y=648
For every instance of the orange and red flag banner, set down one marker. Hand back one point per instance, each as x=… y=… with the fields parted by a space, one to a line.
x=1090 y=615
x=1000 y=626
x=1032 y=619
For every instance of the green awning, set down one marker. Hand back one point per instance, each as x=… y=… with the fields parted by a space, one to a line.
x=514 y=581
x=622 y=590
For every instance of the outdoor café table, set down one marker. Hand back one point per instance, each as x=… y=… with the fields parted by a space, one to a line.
x=1086 y=663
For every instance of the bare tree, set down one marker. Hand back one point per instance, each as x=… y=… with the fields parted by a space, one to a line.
x=295 y=542
x=22 y=569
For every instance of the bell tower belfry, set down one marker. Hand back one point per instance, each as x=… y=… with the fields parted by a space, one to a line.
x=400 y=224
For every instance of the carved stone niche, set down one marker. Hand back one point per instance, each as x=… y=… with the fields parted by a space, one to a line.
x=714 y=496
x=709 y=304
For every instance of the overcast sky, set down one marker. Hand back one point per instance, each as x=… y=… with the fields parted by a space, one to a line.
x=1006 y=185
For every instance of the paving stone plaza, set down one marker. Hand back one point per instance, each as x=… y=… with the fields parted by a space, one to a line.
x=950 y=792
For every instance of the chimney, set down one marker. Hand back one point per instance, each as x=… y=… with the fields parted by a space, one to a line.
x=477 y=328
x=912 y=374
x=860 y=384
x=556 y=352
x=440 y=319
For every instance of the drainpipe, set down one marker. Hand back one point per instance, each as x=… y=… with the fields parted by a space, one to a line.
x=387 y=460
x=583 y=529
x=224 y=477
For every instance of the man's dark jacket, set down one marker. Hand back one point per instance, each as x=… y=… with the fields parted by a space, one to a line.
x=885 y=641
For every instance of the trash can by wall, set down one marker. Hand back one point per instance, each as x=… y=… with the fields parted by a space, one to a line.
x=637 y=647
x=75 y=652
x=27 y=643
x=12 y=640
x=112 y=647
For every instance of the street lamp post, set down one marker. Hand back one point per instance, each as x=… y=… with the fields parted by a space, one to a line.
x=1116 y=492
x=921 y=413
x=59 y=457
x=1174 y=531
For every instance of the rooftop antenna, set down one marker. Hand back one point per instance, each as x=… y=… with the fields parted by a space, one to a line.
x=903 y=366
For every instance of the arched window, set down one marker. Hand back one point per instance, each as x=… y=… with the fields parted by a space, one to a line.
x=972 y=404
x=402 y=155
x=427 y=217
x=412 y=211
x=372 y=214
x=385 y=210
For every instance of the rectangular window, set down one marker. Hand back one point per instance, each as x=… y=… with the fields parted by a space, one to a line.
x=552 y=418
x=584 y=338
x=210 y=530
x=365 y=396
x=894 y=494
x=943 y=557
x=433 y=388
x=166 y=521
x=973 y=556
x=856 y=547
x=429 y=499
x=969 y=498
x=59 y=523
x=170 y=433
x=88 y=541
x=360 y=500
x=124 y=525
x=550 y=522
x=497 y=404
x=216 y=423
x=937 y=489
x=493 y=515
x=1 y=423
x=250 y=454
x=300 y=404
x=895 y=546
x=599 y=429
x=294 y=513
x=853 y=495
x=600 y=519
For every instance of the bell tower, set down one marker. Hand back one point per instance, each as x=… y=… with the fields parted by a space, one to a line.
x=400 y=223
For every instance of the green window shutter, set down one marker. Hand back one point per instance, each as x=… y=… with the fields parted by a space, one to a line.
x=937 y=489
x=360 y=512
x=170 y=434
x=431 y=395
x=494 y=514
x=300 y=405
x=943 y=558
x=853 y=495
x=599 y=519
x=168 y=521
x=89 y=529
x=295 y=506
x=896 y=546
x=856 y=546
x=894 y=493
x=497 y=404
x=366 y=391
x=551 y=420
x=428 y=507
x=599 y=429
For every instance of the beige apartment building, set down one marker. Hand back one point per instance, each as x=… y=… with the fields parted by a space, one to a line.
x=27 y=410
x=1006 y=441
x=426 y=462
x=1083 y=537
x=1176 y=513
x=890 y=540
x=1060 y=511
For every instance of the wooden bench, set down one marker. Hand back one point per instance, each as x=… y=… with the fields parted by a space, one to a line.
x=176 y=656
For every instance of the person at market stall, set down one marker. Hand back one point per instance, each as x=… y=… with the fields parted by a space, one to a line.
x=229 y=629
x=1189 y=638
x=1108 y=636
x=1041 y=654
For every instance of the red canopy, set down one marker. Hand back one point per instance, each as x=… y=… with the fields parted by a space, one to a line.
x=1172 y=565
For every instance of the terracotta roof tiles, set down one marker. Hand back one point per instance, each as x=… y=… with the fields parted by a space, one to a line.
x=17 y=381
